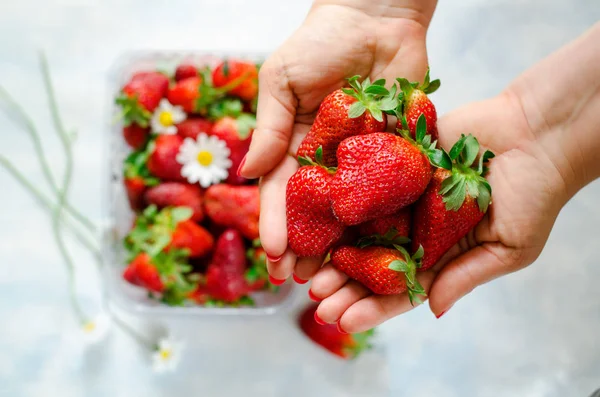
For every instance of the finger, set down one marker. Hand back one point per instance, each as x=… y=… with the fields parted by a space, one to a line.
x=307 y=267
x=327 y=281
x=469 y=270
x=332 y=308
x=275 y=115
x=272 y=221
x=375 y=309
x=280 y=270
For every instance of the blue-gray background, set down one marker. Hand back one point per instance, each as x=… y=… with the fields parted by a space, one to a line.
x=534 y=333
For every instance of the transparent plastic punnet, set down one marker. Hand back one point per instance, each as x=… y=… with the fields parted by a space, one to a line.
x=120 y=217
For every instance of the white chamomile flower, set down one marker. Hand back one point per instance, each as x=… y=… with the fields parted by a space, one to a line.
x=96 y=329
x=205 y=160
x=166 y=356
x=165 y=117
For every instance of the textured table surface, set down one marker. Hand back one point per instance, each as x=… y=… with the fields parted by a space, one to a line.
x=534 y=333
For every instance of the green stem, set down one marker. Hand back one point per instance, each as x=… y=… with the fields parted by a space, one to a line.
x=84 y=240
x=37 y=143
x=129 y=331
x=62 y=192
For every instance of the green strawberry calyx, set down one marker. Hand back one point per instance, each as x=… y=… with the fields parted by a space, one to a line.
x=437 y=157
x=132 y=111
x=175 y=271
x=390 y=238
x=359 y=343
x=407 y=88
x=409 y=267
x=208 y=93
x=306 y=161
x=371 y=96
x=135 y=166
x=467 y=176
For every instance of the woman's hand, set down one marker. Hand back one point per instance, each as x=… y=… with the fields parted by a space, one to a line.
x=545 y=138
x=338 y=39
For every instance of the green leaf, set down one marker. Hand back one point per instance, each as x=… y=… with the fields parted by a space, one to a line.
x=246 y=122
x=426 y=79
x=456 y=197
x=405 y=86
x=348 y=91
x=376 y=90
x=449 y=183
x=404 y=123
x=380 y=82
x=484 y=198
x=472 y=187
x=398 y=266
x=180 y=214
x=319 y=155
x=377 y=114
x=419 y=254
x=470 y=151
x=304 y=161
x=487 y=155
x=440 y=159
x=421 y=128
x=388 y=103
x=433 y=87
x=231 y=107
x=356 y=110
x=457 y=148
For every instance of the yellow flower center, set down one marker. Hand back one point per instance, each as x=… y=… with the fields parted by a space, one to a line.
x=165 y=354
x=166 y=118
x=205 y=158
x=89 y=327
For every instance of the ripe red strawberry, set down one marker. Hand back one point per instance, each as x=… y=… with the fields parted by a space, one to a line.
x=312 y=226
x=346 y=346
x=142 y=272
x=185 y=93
x=135 y=135
x=141 y=95
x=347 y=112
x=417 y=102
x=234 y=206
x=385 y=271
x=184 y=71
x=163 y=158
x=230 y=252
x=177 y=194
x=378 y=174
x=135 y=188
x=242 y=74
x=190 y=128
x=188 y=235
x=454 y=203
x=236 y=134
x=400 y=221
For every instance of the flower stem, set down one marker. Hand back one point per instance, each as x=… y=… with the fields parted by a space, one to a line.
x=37 y=143
x=84 y=240
x=129 y=331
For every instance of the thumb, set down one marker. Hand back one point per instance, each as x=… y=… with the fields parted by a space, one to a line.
x=275 y=116
x=469 y=270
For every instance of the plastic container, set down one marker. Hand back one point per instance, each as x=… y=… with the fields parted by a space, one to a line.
x=120 y=217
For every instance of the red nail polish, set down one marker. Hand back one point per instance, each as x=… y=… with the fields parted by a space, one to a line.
x=313 y=297
x=276 y=281
x=299 y=280
x=318 y=319
x=444 y=312
x=339 y=328
x=274 y=259
x=239 y=170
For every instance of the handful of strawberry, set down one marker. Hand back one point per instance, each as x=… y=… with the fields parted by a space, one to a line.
x=195 y=237
x=409 y=200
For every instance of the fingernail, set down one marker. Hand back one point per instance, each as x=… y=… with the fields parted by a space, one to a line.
x=299 y=280
x=313 y=297
x=274 y=259
x=276 y=281
x=339 y=328
x=239 y=170
x=318 y=319
x=444 y=312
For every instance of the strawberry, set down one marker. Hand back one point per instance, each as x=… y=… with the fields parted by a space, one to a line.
x=236 y=134
x=190 y=128
x=162 y=162
x=454 y=202
x=378 y=174
x=385 y=271
x=257 y=275
x=192 y=237
x=186 y=93
x=141 y=95
x=347 y=112
x=177 y=194
x=399 y=221
x=142 y=272
x=243 y=72
x=137 y=178
x=312 y=226
x=234 y=206
x=416 y=103
x=230 y=252
x=346 y=346
x=135 y=135
x=184 y=71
